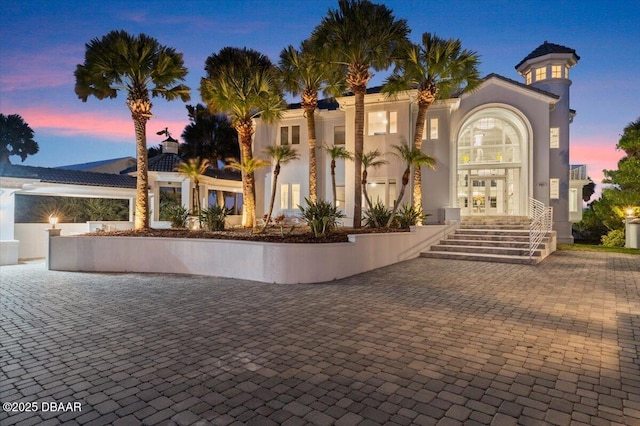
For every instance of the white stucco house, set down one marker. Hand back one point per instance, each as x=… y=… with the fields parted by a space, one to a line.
x=496 y=147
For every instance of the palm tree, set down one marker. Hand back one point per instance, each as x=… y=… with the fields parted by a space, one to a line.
x=281 y=154
x=209 y=136
x=370 y=159
x=336 y=152
x=16 y=138
x=193 y=169
x=439 y=69
x=360 y=35
x=244 y=84
x=142 y=68
x=304 y=73
x=247 y=167
x=412 y=157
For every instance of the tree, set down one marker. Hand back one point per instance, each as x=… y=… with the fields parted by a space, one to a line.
x=243 y=84
x=438 y=69
x=304 y=73
x=412 y=157
x=209 y=136
x=336 y=152
x=193 y=169
x=247 y=167
x=16 y=138
x=142 y=68
x=360 y=35
x=281 y=154
x=370 y=159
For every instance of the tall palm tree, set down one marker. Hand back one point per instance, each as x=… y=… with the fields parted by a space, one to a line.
x=412 y=157
x=193 y=169
x=142 y=68
x=16 y=138
x=244 y=84
x=368 y=160
x=209 y=136
x=360 y=35
x=336 y=152
x=305 y=73
x=281 y=154
x=247 y=167
x=438 y=69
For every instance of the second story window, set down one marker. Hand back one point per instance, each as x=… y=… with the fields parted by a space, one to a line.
x=290 y=135
x=382 y=123
x=338 y=135
x=541 y=73
x=556 y=71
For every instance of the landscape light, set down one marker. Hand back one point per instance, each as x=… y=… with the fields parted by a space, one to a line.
x=53 y=220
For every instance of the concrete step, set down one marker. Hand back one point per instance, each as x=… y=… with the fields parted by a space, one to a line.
x=494 y=226
x=480 y=257
x=484 y=237
x=523 y=244
x=478 y=249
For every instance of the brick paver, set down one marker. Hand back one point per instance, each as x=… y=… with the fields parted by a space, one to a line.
x=422 y=342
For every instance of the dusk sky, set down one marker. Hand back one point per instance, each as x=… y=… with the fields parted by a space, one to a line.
x=41 y=42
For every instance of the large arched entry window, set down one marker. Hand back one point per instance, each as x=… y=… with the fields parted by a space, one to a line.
x=492 y=158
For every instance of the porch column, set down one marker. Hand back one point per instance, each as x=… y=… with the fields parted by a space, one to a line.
x=9 y=246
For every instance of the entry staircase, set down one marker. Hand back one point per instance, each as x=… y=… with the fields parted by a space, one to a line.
x=505 y=239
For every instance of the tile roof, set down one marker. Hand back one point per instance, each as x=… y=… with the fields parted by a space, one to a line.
x=160 y=163
x=223 y=174
x=70 y=177
x=91 y=165
x=547 y=48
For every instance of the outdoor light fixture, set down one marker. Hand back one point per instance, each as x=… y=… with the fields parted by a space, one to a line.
x=52 y=221
x=629 y=211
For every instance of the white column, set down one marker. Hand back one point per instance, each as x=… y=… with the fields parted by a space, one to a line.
x=9 y=246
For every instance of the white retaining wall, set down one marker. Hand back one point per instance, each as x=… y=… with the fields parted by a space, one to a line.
x=248 y=260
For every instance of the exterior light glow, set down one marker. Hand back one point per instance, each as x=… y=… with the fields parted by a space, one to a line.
x=53 y=220
x=629 y=211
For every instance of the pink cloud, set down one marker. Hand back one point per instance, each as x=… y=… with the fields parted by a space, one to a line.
x=596 y=157
x=117 y=128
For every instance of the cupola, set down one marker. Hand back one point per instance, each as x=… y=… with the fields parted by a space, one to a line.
x=549 y=61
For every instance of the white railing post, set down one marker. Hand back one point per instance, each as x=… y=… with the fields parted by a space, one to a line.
x=541 y=223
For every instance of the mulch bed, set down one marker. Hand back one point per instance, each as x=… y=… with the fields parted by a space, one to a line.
x=272 y=234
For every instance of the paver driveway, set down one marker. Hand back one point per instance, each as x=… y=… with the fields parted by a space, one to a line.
x=422 y=342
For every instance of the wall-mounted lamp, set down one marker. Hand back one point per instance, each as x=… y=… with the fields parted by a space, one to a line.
x=53 y=220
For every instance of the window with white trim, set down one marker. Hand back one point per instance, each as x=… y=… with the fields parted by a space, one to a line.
x=554 y=137
x=556 y=71
x=295 y=195
x=290 y=135
x=433 y=128
x=338 y=135
x=573 y=200
x=382 y=123
x=541 y=73
x=527 y=77
x=284 y=196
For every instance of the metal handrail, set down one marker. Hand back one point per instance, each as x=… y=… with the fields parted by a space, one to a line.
x=541 y=224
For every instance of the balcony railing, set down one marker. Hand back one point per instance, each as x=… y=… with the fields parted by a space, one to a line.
x=578 y=172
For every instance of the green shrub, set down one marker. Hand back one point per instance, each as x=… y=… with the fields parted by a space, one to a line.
x=614 y=238
x=177 y=214
x=321 y=216
x=407 y=216
x=378 y=213
x=213 y=218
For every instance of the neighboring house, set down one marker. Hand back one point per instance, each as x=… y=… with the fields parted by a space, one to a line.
x=496 y=147
x=85 y=180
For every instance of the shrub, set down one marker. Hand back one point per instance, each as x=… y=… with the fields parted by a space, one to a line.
x=378 y=213
x=614 y=238
x=177 y=214
x=321 y=216
x=214 y=217
x=407 y=216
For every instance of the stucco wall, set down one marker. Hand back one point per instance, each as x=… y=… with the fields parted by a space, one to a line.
x=264 y=262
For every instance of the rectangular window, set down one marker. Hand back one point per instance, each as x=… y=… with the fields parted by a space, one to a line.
x=554 y=188
x=295 y=195
x=340 y=196
x=433 y=129
x=573 y=200
x=566 y=71
x=382 y=122
x=556 y=71
x=393 y=122
x=338 y=135
x=554 y=137
x=284 y=196
x=527 y=77
x=284 y=136
x=541 y=73
x=295 y=135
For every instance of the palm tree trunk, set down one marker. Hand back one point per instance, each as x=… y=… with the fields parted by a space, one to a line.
x=313 y=176
x=248 y=187
x=276 y=173
x=417 y=173
x=366 y=197
x=358 y=151
x=333 y=182
x=396 y=204
x=142 y=177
